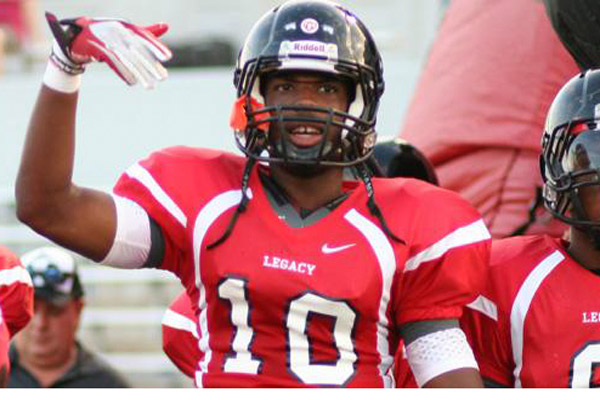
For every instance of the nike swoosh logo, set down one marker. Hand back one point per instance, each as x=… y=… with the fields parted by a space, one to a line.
x=329 y=250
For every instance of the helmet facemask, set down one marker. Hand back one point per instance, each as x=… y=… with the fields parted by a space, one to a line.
x=266 y=126
x=310 y=36
x=571 y=160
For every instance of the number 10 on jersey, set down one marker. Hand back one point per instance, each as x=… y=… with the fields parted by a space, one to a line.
x=242 y=360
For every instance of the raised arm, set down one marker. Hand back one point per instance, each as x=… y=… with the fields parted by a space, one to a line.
x=81 y=219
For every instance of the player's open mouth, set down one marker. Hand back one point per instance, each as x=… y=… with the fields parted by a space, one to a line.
x=305 y=136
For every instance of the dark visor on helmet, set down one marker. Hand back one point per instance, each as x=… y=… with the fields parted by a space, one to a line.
x=583 y=153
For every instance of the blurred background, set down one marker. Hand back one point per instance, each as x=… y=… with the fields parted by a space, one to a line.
x=117 y=125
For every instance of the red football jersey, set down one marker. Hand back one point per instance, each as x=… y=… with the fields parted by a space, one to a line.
x=16 y=302
x=315 y=306
x=180 y=335
x=538 y=322
x=4 y=361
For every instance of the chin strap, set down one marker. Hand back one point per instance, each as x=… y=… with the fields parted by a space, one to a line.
x=240 y=208
x=364 y=175
x=372 y=204
x=532 y=213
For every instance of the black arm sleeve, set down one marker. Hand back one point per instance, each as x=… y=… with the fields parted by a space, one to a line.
x=157 y=247
x=414 y=330
x=490 y=384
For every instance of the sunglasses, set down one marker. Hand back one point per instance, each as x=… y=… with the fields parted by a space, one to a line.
x=51 y=275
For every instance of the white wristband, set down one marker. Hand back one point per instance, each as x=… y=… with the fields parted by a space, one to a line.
x=58 y=80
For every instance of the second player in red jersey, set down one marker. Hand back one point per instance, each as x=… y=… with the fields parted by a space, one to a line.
x=537 y=324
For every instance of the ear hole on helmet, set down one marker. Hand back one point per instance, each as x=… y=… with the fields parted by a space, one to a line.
x=258 y=90
x=357 y=105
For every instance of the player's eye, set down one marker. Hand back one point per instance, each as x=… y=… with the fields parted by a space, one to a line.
x=283 y=87
x=328 y=88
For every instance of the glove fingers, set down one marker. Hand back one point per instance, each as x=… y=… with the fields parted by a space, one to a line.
x=147 y=62
x=130 y=55
x=160 y=51
x=157 y=29
x=144 y=66
x=130 y=61
x=142 y=61
x=115 y=63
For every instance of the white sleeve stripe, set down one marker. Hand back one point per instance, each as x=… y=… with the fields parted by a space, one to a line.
x=485 y=306
x=15 y=275
x=387 y=263
x=177 y=321
x=142 y=175
x=132 y=242
x=204 y=220
x=521 y=307
x=473 y=233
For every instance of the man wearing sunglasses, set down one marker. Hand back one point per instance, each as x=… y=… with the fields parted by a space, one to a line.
x=46 y=354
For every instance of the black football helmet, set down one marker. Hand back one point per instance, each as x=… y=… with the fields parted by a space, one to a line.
x=570 y=159
x=314 y=36
x=398 y=158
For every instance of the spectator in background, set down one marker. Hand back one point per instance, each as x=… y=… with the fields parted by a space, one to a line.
x=47 y=354
x=19 y=29
x=481 y=102
x=16 y=305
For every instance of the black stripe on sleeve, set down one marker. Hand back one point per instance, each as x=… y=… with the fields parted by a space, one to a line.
x=413 y=330
x=157 y=246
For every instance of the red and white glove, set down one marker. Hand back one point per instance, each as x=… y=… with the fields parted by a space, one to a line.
x=133 y=52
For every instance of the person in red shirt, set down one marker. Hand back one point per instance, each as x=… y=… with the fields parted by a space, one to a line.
x=180 y=335
x=480 y=104
x=298 y=276
x=16 y=305
x=19 y=28
x=537 y=322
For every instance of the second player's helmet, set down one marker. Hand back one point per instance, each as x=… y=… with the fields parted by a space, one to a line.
x=315 y=36
x=570 y=160
x=398 y=158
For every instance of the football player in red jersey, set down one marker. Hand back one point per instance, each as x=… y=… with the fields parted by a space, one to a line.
x=392 y=158
x=298 y=277
x=537 y=324
x=16 y=305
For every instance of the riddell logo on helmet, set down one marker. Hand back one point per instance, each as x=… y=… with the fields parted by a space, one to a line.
x=309 y=47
